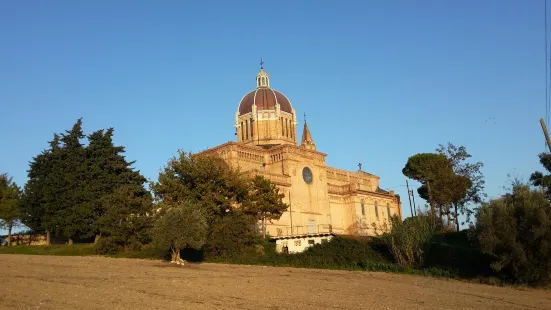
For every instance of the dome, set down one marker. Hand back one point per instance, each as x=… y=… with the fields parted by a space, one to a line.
x=265 y=98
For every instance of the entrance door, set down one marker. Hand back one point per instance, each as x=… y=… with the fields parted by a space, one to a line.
x=311 y=226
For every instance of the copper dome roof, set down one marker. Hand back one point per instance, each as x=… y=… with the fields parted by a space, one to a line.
x=265 y=99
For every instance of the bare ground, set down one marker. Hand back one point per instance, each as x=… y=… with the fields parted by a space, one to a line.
x=54 y=282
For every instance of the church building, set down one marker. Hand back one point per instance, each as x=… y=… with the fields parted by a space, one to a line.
x=323 y=201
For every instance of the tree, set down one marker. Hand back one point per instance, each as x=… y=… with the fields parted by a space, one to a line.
x=427 y=168
x=109 y=174
x=180 y=227
x=68 y=181
x=447 y=190
x=516 y=230
x=264 y=202
x=539 y=179
x=39 y=196
x=209 y=181
x=10 y=195
x=128 y=215
x=458 y=157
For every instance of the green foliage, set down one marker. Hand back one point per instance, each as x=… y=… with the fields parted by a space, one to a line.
x=106 y=246
x=264 y=202
x=128 y=216
x=539 y=179
x=180 y=227
x=232 y=235
x=409 y=241
x=206 y=180
x=10 y=196
x=68 y=183
x=516 y=230
x=426 y=167
x=458 y=157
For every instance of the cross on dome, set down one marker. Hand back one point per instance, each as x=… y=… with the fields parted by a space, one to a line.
x=262 y=78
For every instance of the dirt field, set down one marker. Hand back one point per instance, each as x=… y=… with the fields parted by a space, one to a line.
x=55 y=282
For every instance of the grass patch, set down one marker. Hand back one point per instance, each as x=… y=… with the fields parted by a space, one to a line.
x=82 y=249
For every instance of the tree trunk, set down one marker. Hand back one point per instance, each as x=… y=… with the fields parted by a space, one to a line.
x=9 y=234
x=48 y=238
x=176 y=255
x=97 y=238
x=448 y=214
x=430 y=198
x=456 y=217
x=70 y=241
x=264 y=227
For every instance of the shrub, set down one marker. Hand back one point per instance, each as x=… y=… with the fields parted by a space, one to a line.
x=409 y=241
x=233 y=235
x=516 y=230
x=106 y=246
x=466 y=260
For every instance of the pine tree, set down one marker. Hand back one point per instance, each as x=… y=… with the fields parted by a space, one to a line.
x=68 y=182
x=107 y=171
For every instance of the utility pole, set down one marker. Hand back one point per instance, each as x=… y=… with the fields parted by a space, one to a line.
x=409 y=197
x=544 y=127
x=414 y=206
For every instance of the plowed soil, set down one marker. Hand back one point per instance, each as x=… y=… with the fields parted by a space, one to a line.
x=54 y=282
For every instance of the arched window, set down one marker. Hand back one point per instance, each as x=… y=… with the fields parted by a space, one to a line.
x=263 y=81
x=363 y=207
x=252 y=128
x=247 y=130
x=376 y=209
x=388 y=209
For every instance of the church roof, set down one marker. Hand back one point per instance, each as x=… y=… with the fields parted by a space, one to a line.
x=265 y=99
x=306 y=136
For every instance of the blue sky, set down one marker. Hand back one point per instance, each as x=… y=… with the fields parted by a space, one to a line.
x=379 y=80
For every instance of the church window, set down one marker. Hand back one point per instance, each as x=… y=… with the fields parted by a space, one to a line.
x=307 y=175
x=282 y=128
x=263 y=81
x=252 y=128
x=388 y=209
x=247 y=130
x=376 y=209
x=363 y=207
x=242 y=132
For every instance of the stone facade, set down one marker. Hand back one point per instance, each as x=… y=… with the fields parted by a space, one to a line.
x=322 y=199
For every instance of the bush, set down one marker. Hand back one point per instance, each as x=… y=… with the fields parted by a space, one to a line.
x=233 y=235
x=409 y=241
x=466 y=260
x=106 y=246
x=516 y=230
